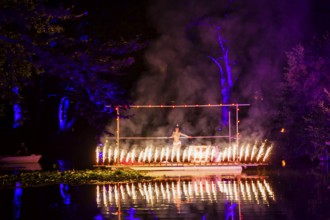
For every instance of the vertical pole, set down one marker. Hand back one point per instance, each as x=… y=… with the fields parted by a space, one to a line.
x=229 y=128
x=117 y=134
x=237 y=134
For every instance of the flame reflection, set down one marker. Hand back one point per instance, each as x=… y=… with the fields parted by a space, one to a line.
x=180 y=192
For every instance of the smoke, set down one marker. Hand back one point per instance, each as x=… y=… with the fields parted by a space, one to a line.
x=257 y=34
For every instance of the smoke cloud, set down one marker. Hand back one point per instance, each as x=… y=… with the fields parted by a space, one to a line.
x=257 y=34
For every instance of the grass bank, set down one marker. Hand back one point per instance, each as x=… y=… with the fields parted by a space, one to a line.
x=72 y=177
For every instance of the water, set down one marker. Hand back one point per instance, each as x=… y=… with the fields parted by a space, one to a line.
x=280 y=193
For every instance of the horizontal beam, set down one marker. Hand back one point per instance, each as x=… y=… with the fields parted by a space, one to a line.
x=182 y=106
x=145 y=138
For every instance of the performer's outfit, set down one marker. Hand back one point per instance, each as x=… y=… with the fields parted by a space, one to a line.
x=176 y=142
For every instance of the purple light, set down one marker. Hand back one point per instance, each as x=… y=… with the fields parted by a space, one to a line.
x=17 y=115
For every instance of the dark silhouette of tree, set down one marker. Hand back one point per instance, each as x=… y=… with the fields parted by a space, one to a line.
x=306 y=97
x=54 y=41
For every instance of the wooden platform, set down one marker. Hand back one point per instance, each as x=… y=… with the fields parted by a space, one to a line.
x=184 y=169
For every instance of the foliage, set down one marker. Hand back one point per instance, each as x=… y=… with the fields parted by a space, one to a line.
x=73 y=177
x=52 y=40
x=306 y=93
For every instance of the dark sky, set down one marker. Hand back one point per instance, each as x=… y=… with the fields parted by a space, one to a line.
x=257 y=34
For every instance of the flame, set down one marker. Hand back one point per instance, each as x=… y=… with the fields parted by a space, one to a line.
x=140 y=156
x=156 y=155
x=145 y=154
x=104 y=153
x=184 y=155
x=122 y=153
x=261 y=150
x=241 y=153
x=128 y=157
x=267 y=153
x=115 y=155
x=162 y=154
x=149 y=154
x=212 y=154
x=133 y=156
x=167 y=153
x=224 y=154
x=253 y=152
x=200 y=154
x=109 y=155
x=178 y=155
x=247 y=152
x=189 y=153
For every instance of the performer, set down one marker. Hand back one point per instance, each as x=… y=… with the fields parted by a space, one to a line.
x=176 y=137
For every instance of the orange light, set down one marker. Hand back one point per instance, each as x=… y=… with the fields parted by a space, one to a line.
x=282 y=130
x=283 y=163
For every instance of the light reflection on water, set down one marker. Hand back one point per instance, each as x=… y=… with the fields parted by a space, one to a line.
x=187 y=197
x=276 y=194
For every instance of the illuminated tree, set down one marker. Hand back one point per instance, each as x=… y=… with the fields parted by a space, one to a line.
x=51 y=41
x=306 y=97
x=226 y=82
x=25 y=28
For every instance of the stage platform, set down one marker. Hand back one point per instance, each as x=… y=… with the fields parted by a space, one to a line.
x=184 y=168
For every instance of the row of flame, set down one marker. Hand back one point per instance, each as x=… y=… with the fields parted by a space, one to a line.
x=150 y=154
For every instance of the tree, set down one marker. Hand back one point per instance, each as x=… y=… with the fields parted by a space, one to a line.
x=47 y=40
x=306 y=101
x=25 y=28
x=226 y=82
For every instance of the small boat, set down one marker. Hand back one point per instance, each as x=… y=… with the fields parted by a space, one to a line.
x=33 y=158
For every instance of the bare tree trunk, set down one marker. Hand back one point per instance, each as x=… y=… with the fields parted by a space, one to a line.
x=66 y=120
x=17 y=110
x=226 y=82
x=17 y=122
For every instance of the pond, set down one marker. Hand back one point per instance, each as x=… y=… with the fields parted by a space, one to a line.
x=260 y=193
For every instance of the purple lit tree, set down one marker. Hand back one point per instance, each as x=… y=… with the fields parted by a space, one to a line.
x=226 y=82
x=23 y=29
x=87 y=82
x=52 y=41
x=306 y=97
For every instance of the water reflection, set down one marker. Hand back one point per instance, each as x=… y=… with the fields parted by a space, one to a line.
x=262 y=194
x=64 y=190
x=181 y=193
x=17 y=200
